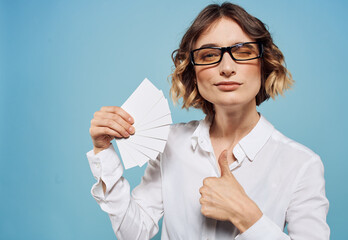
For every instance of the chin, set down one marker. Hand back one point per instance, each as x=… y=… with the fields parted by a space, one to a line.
x=230 y=99
x=233 y=102
x=226 y=103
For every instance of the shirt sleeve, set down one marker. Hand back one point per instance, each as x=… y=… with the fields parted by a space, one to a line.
x=307 y=211
x=263 y=229
x=133 y=216
x=306 y=214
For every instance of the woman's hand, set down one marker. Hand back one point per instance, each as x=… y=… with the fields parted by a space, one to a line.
x=224 y=199
x=108 y=123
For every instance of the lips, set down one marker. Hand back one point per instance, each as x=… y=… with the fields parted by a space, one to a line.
x=227 y=83
x=227 y=86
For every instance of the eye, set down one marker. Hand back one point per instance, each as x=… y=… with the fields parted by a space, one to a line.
x=208 y=54
x=244 y=53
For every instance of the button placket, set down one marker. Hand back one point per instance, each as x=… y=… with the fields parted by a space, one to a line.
x=204 y=145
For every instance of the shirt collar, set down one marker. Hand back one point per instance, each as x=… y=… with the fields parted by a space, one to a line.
x=250 y=144
x=201 y=134
x=254 y=141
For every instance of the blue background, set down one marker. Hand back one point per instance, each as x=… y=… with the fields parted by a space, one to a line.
x=60 y=61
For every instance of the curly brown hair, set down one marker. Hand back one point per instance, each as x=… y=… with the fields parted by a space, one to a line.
x=275 y=78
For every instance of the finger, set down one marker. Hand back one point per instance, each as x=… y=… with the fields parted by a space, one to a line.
x=117 y=118
x=223 y=163
x=202 y=201
x=118 y=110
x=208 y=181
x=202 y=191
x=109 y=123
x=100 y=131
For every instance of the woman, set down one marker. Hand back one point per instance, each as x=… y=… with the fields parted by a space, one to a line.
x=231 y=175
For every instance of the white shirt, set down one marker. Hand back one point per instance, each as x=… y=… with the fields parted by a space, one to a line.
x=284 y=178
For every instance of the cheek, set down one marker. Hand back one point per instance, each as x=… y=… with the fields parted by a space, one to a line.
x=205 y=74
x=252 y=75
x=205 y=78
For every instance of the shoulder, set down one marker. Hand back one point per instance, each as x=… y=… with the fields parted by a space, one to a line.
x=280 y=148
x=179 y=138
x=292 y=161
x=183 y=129
x=291 y=151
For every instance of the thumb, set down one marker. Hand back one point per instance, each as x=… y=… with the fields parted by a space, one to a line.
x=223 y=163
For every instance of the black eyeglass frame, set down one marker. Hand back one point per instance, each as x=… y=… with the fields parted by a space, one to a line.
x=226 y=49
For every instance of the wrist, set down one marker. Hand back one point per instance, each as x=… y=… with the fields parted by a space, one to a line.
x=98 y=150
x=250 y=216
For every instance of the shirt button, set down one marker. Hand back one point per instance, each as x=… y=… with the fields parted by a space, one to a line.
x=97 y=165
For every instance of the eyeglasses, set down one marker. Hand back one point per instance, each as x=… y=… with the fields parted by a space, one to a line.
x=239 y=52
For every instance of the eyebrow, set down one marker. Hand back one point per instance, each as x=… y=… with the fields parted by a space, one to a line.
x=215 y=45
x=209 y=45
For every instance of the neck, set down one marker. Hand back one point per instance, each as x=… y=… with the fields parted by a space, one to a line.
x=233 y=123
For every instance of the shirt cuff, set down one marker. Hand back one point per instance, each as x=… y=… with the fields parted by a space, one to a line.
x=106 y=167
x=105 y=163
x=265 y=229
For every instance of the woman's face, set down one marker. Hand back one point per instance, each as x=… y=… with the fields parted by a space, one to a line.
x=227 y=84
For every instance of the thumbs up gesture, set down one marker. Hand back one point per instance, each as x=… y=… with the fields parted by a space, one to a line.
x=224 y=199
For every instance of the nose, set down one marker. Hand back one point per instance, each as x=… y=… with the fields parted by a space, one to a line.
x=227 y=65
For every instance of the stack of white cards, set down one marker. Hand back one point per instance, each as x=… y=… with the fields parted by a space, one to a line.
x=152 y=118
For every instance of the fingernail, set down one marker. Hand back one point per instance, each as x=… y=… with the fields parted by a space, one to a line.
x=130 y=129
x=130 y=119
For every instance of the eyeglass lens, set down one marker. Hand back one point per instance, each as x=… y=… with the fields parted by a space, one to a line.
x=213 y=55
